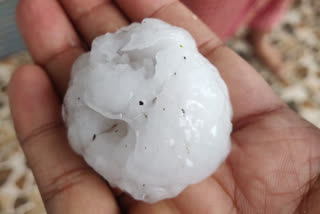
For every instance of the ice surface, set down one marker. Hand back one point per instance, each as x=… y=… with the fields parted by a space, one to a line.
x=147 y=111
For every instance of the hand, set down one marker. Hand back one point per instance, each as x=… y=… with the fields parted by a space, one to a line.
x=274 y=163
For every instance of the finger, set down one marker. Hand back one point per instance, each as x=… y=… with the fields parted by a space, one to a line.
x=171 y=11
x=249 y=93
x=66 y=183
x=95 y=17
x=50 y=38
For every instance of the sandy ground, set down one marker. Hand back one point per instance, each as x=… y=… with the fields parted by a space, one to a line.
x=297 y=38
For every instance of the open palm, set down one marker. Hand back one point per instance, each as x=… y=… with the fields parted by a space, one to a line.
x=274 y=163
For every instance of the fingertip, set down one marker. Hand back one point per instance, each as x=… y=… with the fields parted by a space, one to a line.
x=46 y=29
x=23 y=11
x=26 y=78
x=18 y=77
x=32 y=99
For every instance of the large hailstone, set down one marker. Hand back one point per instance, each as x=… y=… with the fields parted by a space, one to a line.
x=147 y=111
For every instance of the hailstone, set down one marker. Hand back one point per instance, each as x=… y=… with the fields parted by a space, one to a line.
x=147 y=111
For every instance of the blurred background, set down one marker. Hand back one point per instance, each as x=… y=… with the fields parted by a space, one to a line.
x=297 y=38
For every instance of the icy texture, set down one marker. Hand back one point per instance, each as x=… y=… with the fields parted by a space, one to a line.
x=147 y=111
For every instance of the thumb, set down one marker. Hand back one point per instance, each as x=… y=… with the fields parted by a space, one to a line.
x=66 y=183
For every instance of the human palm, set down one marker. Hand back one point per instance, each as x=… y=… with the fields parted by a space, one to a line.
x=274 y=163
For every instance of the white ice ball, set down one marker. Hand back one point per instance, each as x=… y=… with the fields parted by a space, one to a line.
x=147 y=111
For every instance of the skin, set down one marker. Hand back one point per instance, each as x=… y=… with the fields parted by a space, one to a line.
x=260 y=18
x=267 y=53
x=274 y=163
